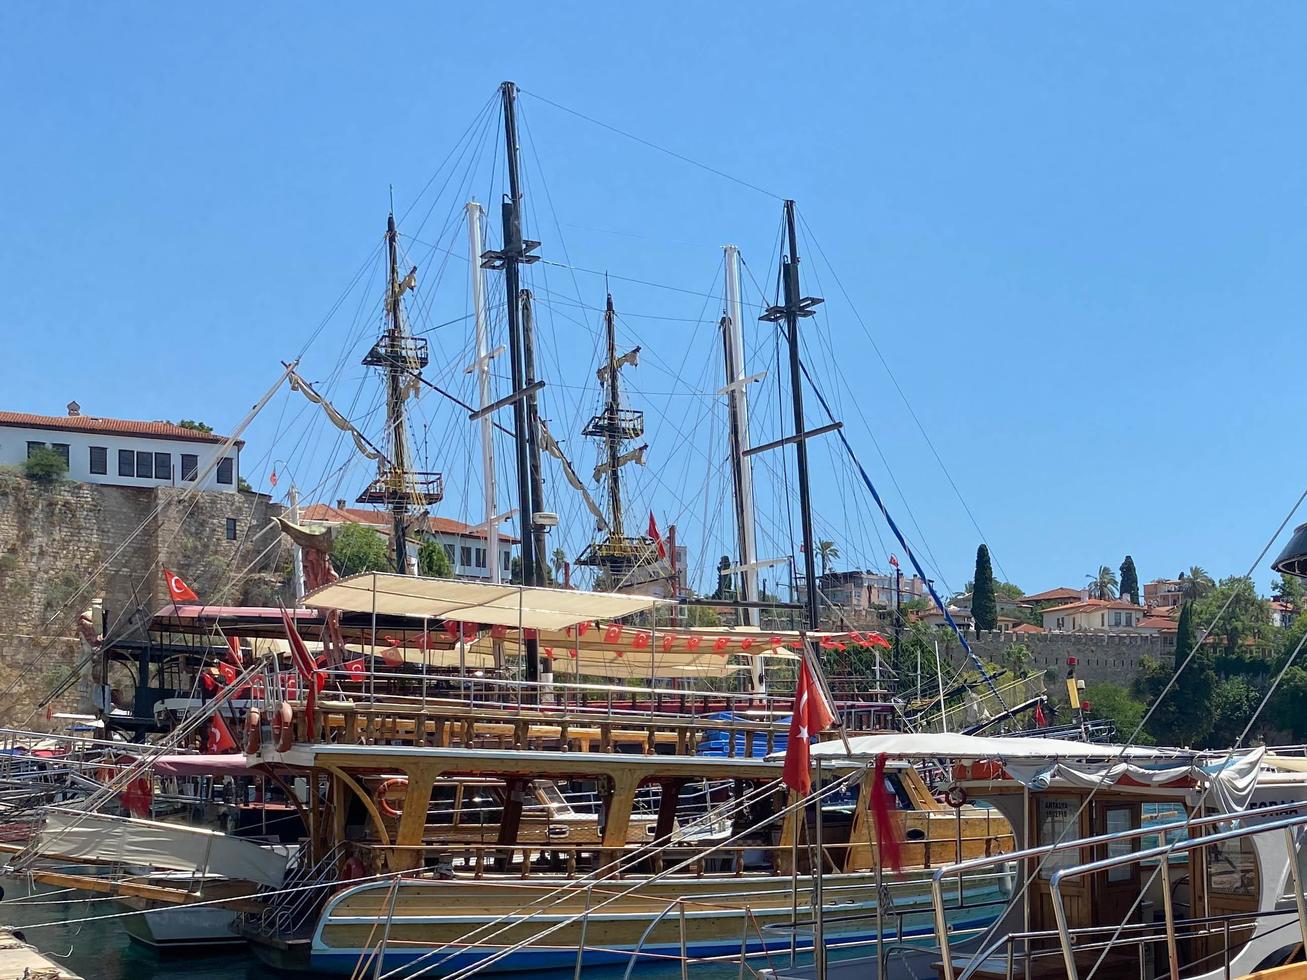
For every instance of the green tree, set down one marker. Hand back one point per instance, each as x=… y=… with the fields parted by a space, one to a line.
x=1129 y=580
x=194 y=425
x=1197 y=583
x=44 y=465
x=1288 y=588
x=359 y=549
x=1181 y=717
x=1287 y=710
x=984 y=609
x=1245 y=618
x=433 y=560
x=1121 y=707
x=1102 y=585
x=1234 y=700
x=1018 y=657
x=826 y=550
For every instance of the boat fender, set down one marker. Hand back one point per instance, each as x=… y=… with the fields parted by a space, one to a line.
x=253 y=732
x=283 y=731
x=382 y=795
x=956 y=797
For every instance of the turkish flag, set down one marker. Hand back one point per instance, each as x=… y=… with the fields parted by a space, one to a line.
x=887 y=828
x=811 y=715
x=1040 y=720
x=228 y=672
x=220 y=738
x=657 y=538
x=355 y=668
x=178 y=591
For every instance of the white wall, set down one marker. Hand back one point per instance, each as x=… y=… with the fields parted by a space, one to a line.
x=13 y=451
x=471 y=569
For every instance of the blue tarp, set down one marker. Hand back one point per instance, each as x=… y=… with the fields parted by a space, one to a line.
x=717 y=743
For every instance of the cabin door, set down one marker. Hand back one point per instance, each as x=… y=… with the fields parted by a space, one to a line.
x=1117 y=888
x=1059 y=817
x=1228 y=880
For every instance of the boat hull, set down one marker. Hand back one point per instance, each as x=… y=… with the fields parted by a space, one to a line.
x=506 y=926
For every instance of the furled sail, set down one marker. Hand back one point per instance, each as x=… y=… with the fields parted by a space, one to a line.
x=550 y=445
x=339 y=421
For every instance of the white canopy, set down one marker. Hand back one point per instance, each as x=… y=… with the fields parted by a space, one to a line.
x=474 y=602
x=949 y=746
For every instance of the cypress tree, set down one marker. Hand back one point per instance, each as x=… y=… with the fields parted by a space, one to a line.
x=1184 y=634
x=1129 y=580
x=984 y=610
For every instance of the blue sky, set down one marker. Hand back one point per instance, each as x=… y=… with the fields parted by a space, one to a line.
x=1075 y=233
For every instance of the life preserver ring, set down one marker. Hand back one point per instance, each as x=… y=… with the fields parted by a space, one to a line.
x=253 y=732
x=956 y=797
x=283 y=729
x=381 y=796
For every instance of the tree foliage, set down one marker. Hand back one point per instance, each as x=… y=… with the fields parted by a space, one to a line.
x=433 y=560
x=826 y=550
x=359 y=549
x=1121 y=707
x=194 y=425
x=1245 y=619
x=1288 y=589
x=1103 y=584
x=1182 y=716
x=1197 y=583
x=1129 y=580
x=984 y=608
x=44 y=465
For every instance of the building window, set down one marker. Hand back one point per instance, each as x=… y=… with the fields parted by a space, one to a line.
x=224 y=470
x=32 y=447
x=481 y=558
x=508 y=561
x=62 y=449
x=1116 y=619
x=190 y=466
x=99 y=460
x=1129 y=619
x=231 y=529
x=1061 y=623
x=126 y=462
x=465 y=555
x=144 y=465
x=449 y=553
x=163 y=466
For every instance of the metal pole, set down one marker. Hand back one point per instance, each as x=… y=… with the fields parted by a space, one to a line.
x=396 y=394
x=482 y=368
x=880 y=912
x=737 y=400
x=533 y=438
x=818 y=896
x=685 y=957
x=1168 y=914
x=1295 y=869
x=296 y=552
x=1059 y=913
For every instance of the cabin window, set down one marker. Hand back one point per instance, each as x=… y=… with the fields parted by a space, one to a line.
x=225 y=470
x=898 y=794
x=444 y=804
x=144 y=465
x=99 y=460
x=190 y=466
x=1232 y=868
x=126 y=462
x=1119 y=821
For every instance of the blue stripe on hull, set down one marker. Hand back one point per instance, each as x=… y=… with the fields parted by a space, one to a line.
x=526 y=960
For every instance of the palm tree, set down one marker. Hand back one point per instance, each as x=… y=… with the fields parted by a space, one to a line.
x=1197 y=583
x=826 y=550
x=1102 y=585
x=558 y=560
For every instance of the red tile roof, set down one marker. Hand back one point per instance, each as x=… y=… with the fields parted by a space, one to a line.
x=1062 y=593
x=325 y=513
x=1163 y=624
x=115 y=427
x=1028 y=628
x=1089 y=605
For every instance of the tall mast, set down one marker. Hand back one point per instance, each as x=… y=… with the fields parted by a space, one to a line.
x=514 y=253
x=533 y=437
x=402 y=358
x=738 y=404
x=795 y=307
x=482 y=368
x=613 y=436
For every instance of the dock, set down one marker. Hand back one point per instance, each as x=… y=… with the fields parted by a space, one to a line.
x=20 y=961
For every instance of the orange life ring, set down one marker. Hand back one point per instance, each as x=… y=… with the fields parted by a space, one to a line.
x=253 y=732
x=956 y=797
x=283 y=729
x=382 y=799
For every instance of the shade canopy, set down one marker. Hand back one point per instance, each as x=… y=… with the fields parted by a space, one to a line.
x=474 y=602
x=949 y=746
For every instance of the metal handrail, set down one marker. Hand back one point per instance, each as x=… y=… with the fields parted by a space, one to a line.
x=961 y=867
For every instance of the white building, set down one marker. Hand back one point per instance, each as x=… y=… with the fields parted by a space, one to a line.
x=1115 y=615
x=120 y=452
x=467 y=547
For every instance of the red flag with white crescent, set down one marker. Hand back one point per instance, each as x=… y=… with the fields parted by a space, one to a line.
x=220 y=740
x=811 y=715
x=178 y=591
x=894 y=560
